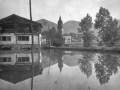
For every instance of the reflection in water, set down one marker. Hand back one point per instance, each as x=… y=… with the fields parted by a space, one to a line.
x=57 y=55
x=107 y=65
x=19 y=67
x=67 y=70
x=85 y=63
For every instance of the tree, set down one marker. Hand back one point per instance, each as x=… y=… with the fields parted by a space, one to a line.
x=85 y=64
x=108 y=28
x=106 y=67
x=50 y=34
x=87 y=35
x=58 y=40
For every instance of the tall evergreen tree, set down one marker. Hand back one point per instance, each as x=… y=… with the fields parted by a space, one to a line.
x=85 y=25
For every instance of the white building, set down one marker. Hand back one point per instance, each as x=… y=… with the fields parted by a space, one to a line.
x=15 y=32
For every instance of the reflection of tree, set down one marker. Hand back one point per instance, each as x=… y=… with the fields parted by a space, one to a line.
x=53 y=54
x=56 y=55
x=107 y=65
x=85 y=64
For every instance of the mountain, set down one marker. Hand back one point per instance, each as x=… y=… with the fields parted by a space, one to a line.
x=46 y=24
x=70 y=26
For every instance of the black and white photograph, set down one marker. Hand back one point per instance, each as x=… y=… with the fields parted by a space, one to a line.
x=59 y=44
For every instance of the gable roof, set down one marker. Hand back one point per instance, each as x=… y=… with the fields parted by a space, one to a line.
x=16 y=18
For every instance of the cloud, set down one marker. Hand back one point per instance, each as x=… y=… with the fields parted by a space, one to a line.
x=99 y=0
x=51 y=2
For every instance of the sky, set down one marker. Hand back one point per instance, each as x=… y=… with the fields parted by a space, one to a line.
x=53 y=9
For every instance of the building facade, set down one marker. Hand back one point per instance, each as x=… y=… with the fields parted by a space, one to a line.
x=67 y=38
x=15 y=31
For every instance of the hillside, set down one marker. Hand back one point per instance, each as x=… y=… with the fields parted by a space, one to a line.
x=70 y=26
x=47 y=24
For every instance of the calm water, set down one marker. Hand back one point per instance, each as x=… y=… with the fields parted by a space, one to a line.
x=59 y=70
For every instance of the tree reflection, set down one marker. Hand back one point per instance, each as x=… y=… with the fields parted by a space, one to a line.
x=107 y=65
x=85 y=64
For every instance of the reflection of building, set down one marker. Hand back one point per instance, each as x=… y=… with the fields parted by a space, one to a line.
x=19 y=58
x=60 y=59
x=17 y=67
x=15 y=32
x=60 y=63
x=15 y=74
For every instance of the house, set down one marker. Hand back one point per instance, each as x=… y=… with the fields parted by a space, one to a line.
x=44 y=40
x=15 y=32
x=67 y=38
x=76 y=37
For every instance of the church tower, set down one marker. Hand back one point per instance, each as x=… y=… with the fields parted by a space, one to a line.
x=60 y=26
x=60 y=64
x=60 y=60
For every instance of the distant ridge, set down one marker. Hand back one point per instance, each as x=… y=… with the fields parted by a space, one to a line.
x=47 y=24
x=70 y=26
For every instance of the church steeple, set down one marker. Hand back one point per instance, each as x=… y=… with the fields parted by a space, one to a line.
x=60 y=26
x=60 y=64
x=60 y=61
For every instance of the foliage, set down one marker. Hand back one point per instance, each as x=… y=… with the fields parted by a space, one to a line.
x=54 y=38
x=51 y=33
x=58 y=40
x=107 y=65
x=109 y=33
x=85 y=64
x=85 y=26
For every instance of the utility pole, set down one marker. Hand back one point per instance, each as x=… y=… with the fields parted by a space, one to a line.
x=32 y=56
x=49 y=35
x=31 y=25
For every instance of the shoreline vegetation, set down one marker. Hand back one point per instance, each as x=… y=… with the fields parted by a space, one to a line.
x=95 y=50
x=79 y=49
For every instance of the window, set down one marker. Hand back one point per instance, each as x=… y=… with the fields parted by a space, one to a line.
x=5 y=59
x=23 y=38
x=23 y=59
x=5 y=38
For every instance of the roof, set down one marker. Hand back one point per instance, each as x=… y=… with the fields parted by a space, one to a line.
x=16 y=18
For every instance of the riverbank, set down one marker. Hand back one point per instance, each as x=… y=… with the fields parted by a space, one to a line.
x=97 y=50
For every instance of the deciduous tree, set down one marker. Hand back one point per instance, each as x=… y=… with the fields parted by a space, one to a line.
x=108 y=28
x=85 y=26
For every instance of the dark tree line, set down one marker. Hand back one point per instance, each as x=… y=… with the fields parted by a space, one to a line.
x=55 y=39
x=108 y=29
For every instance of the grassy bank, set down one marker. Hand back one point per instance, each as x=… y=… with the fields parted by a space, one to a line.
x=97 y=50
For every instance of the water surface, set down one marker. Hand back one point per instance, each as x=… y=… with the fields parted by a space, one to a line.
x=59 y=70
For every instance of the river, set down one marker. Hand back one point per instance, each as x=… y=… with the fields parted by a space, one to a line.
x=59 y=70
